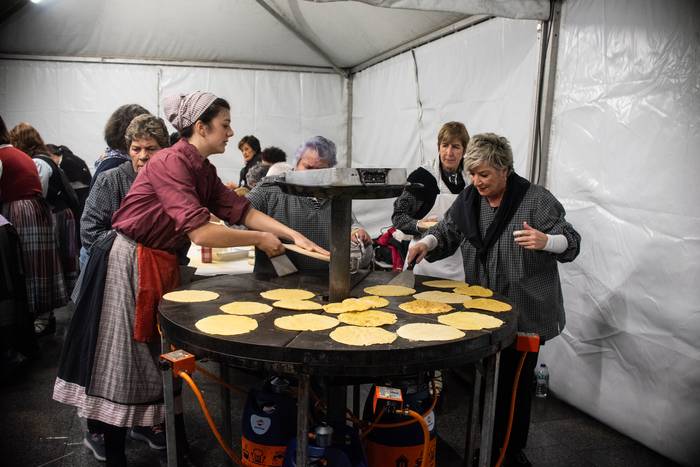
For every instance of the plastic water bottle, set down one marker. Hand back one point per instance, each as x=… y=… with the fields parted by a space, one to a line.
x=542 y=379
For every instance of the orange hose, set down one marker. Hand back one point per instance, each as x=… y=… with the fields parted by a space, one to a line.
x=511 y=413
x=207 y=415
x=375 y=424
x=426 y=434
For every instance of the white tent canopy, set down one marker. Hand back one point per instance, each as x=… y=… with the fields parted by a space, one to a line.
x=615 y=141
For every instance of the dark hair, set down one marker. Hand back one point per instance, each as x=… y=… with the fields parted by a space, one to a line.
x=207 y=116
x=116 y=125
x=251 y=141
x=26 y=138
x=4 y=134
x=174 y=137
x=273 y=155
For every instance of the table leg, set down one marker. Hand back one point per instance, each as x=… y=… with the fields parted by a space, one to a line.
x=169 y=399
x=226 y=407
x=490 y=388
x=339 y=269
x=473 y=407
x=303 y=419
x=356 y=401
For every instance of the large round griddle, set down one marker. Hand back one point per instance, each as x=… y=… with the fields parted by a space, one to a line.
x=272 y=349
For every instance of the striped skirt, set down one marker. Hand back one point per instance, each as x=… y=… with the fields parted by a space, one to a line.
x=46 y=288
x=125 y=387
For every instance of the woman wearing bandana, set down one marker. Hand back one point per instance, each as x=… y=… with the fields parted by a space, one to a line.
x=512 y=233
x=442 y=180
x=109 y=363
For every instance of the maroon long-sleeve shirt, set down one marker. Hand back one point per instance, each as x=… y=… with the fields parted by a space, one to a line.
x=173 y=195
x=20 y=178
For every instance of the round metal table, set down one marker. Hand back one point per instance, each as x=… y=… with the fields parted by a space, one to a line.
x=313 y=354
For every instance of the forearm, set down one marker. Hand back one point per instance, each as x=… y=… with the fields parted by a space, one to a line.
x=220 y=236
x=256 y=220
x=447 y=238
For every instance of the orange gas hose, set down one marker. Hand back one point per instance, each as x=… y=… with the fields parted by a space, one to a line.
x=511 y=413
x=207 y=415
x=426 y=434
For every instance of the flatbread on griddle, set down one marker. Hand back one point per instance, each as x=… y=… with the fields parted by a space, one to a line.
x=470 y=321
x=440 y=296
x=190 y=296
x=226 y=325
x=298 y=305
x=487 y=304
x=361 y=336
x=369 y=318
x=389 y=290
x=445 y=284
x=306 y=322
x=245 y=308
x=287 y=294
x=425 y=307
x=374 y=301
x=474 y=291
x=429 y=332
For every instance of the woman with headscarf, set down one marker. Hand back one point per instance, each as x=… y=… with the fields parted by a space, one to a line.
x=442 y=180
x=169 y=203
x=513 y=234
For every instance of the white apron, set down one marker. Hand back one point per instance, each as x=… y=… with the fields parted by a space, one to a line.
x=451 y=267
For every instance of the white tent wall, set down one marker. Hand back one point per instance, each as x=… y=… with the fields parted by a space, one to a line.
x=483 y=76
x=70 y=102
x=624 y=162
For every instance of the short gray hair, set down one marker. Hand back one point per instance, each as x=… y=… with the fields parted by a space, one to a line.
x=491 y=149
x=323 y=146
x=147 y=126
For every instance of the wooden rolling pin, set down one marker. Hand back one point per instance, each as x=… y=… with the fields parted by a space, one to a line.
x=310 y=254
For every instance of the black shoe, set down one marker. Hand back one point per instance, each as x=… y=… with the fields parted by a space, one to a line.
x=153 y=435
x=517 y=460
x=95 y=442
x=45 y=327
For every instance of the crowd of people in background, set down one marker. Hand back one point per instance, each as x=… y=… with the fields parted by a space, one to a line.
x=152 y=194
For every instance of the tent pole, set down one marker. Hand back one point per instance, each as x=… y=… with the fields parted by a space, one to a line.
x=309 y=43
x=549 y=48
x=348 y=126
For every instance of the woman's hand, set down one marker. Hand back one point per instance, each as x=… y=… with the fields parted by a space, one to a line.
x=426 y=223
x=530 y=238
x=307 y=244
x=270 y=244
x=360 y=235
x=416 y=253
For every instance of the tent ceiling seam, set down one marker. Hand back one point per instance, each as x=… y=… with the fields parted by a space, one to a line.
x=179 y=64
x=306 y=40
x=422 y=40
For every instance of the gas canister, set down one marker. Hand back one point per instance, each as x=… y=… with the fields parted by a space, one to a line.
x=268 y=424
x=401 y=445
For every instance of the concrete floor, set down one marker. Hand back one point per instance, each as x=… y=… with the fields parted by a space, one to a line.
x=40 y=432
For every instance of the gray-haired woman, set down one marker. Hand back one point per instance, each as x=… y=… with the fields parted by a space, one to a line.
x=514 y=233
